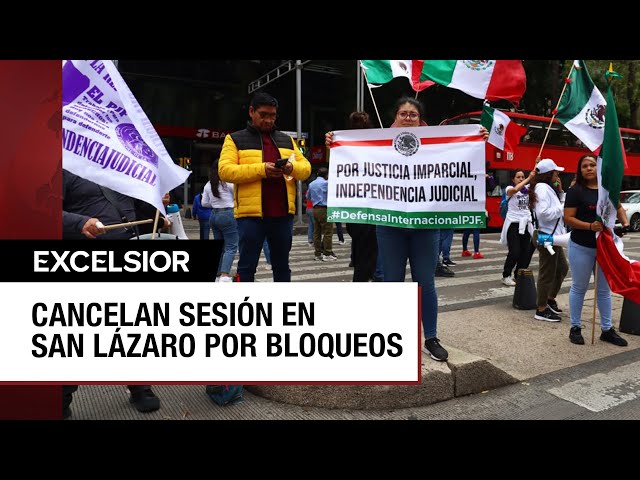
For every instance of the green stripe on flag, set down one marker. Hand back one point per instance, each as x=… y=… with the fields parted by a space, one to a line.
x=611 y=153
x=577 y=93
x=378 y=71
x=440 y=71
x=486 y=119
x=394 y=218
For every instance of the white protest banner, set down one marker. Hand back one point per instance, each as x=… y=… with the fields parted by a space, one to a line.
x=108 y=139
x=93 y=332
x=419 y=177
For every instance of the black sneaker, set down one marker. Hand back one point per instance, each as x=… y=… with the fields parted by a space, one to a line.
x=448 y=262
x=575 y=335
x=553 y=305
x=547 y=315
x=145 y=401
x=444 y=271
x=436 y=350
x=612 y=336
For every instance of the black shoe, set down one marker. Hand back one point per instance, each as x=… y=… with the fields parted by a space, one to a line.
x=351 y=264
x=66 y=413
x=444 y=271
x=547 y=315
x=436 y=350
x=575 y=335
x=612 y=336
x=145 y=401
x=553 y=305
x=448 y=262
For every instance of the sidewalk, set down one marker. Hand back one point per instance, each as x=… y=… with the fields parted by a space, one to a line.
x=489 y=346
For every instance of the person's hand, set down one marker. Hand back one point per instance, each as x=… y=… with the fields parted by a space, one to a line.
x=91 y=230
x=484 y=132
x=328 y=138
x=272 y=171
x=166 y=199
x=288 y=168
x=596 y=226
x=167 y=224
x=532 y=175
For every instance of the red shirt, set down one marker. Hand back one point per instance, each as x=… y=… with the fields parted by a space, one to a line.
x=275 y=201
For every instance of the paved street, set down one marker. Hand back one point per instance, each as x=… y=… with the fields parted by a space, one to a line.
x=603 y=388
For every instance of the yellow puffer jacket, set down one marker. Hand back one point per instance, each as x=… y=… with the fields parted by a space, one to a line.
x=241 y=163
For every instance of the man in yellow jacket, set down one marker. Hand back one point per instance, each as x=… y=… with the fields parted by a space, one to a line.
x=264 y=165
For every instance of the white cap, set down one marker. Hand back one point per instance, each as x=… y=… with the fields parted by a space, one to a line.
x=547 y=165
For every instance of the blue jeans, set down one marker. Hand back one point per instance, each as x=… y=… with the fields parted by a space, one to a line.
x=267 y=252
x=225 y=228
x=310 y=225
x=582 y=262
x=446 y=237
x=253 y=231
x=476 y=239
x=205 y=226
x=421 y=248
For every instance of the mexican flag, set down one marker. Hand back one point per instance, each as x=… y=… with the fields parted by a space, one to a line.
x=622 y=273
x=582 y=107
x=383 y=71
x=503 y=133
x=488 y=79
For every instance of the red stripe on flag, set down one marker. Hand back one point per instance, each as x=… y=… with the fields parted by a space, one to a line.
x=469 y=138
x=363 y=143
x=508 y=81
x=623 y=276
x=416 y=72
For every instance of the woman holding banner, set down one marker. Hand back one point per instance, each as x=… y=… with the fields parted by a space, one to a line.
x=420 y=246
x=580 y=215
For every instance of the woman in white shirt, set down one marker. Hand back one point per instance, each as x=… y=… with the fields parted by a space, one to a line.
x=516 y=230
x=545 y=200
x=218 y=196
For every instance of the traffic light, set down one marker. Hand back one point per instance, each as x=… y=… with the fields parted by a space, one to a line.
x=301 y=146
x=187 y=162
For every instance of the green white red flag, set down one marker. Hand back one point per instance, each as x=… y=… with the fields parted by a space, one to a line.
x=488 y=79
x=582 y=107
x=503 y=132
x=383 y=71
x=622 y=273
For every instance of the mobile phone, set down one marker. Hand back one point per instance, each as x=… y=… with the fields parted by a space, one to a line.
x=281 y=163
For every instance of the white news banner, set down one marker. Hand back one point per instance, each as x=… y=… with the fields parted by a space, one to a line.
x=210 y=332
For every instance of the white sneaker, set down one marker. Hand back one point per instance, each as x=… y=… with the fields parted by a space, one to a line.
x=508 y=281
x=226 y=279
x=341 y=242
x=329 y=258
x=267 y=266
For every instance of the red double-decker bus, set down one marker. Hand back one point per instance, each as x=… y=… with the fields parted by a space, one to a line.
x=561 y=146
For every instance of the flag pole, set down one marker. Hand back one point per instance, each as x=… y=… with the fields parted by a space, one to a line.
x=371 y=93
x=555 y=110
x=124 y=225
x=155 y=224
x=595 y=300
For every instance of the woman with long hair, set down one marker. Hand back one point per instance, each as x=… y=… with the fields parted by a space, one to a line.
x=218 y=196
x=544 y=200
x=515 y=230
x=580 y=215
x=419 y=246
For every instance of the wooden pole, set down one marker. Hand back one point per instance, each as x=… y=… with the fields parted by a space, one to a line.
x=124 y=225
x=555 y=111
x=371 y=93
x=155 y=224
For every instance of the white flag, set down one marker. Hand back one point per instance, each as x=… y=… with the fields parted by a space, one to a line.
x=108 y=139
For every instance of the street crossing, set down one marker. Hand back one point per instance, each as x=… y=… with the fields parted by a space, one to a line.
x=477 y=281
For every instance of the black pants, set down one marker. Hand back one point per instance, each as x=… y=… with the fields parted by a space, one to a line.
x=364 y=250
x=520 y=250
x=69 y=390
